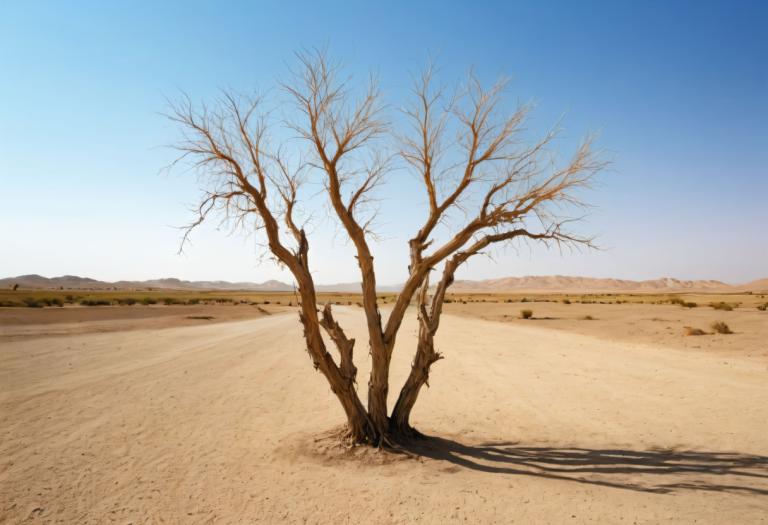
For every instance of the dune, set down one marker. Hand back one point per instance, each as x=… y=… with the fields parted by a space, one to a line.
x=568 y=284
x=224 y=423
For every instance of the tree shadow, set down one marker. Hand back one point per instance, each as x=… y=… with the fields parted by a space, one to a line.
x=660 y=471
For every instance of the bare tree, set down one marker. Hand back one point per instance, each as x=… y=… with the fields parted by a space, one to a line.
x=504 y=189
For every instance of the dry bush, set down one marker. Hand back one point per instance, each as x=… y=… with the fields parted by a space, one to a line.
x=587 y=318
x=526 y=314
x=721 y=306
x=688 y=330
x=720 y=327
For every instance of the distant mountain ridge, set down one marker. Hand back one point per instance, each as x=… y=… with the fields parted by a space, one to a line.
x=563 y=283
x=548 y=283
x=73 y=282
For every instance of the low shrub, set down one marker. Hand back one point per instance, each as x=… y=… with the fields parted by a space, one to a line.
x=721 y=306
x=688 y=330
x=587 y=318
x=194 y=300
x=763 y=307
x=95 y=302
x=30 y=302
x=566 y=301
x=526 y=314
x=721 y=328
x=148 y=301
x=126 y=301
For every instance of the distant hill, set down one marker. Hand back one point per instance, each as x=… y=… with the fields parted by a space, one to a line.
x=561 y=283
x=73 y=282
x=760 y=285
x=549 y=283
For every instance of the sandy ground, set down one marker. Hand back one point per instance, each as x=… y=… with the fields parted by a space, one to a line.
x=658 y=325
x=219 y=423
x=25 y=323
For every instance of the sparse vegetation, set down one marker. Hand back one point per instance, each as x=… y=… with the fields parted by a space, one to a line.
x=762 y=307
x=689 y=330
x=32 y=303
x=566 y=301
x=721 y=327
x=587 y=318
x=526 y=314
x=721 y=306
x=95 y=302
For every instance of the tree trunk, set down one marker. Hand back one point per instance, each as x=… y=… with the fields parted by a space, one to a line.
x=425 y=355
x=378 y=389
x=360 y=427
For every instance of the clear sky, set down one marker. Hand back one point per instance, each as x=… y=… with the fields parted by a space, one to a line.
x=677 y=90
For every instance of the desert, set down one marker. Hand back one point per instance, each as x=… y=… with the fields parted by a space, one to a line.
x=215 y=420
x=383 y=263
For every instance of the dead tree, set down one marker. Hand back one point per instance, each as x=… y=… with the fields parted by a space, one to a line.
x=513 y=189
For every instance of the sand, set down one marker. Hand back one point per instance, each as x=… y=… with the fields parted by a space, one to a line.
x=654 y=324
x=224 y=423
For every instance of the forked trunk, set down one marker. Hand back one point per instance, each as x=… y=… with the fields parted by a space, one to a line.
x=425 y=356
x=360 y=427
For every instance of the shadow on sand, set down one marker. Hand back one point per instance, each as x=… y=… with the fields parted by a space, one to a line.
x=654 y=471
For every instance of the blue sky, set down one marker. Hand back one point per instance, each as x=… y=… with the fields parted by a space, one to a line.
x=677 y=90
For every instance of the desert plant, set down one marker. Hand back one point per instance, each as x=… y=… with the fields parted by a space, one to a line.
x=526 y=314
x=721 y=306
x=520 y=195
x=148 y=301
x=762 y=307
x=126 y=301
x=95 y=302
x=566 y=301
x=688 y=330
x=31 y=302
x=587 y=318
x=720 y=327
